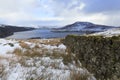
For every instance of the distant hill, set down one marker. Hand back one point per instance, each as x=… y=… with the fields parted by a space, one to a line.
x=7 y=30
x=84 y=26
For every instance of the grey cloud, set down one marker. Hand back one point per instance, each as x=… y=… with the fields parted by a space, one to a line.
x=69 y=10
x=96 y=6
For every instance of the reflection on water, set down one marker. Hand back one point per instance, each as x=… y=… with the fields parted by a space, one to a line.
x=41 y=33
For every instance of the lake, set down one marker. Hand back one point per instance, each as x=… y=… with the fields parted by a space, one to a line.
x=41 y=33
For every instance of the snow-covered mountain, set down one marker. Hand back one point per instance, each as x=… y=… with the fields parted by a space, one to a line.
x=84 y=26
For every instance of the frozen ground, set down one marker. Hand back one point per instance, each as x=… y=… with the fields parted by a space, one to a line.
x=45 y=59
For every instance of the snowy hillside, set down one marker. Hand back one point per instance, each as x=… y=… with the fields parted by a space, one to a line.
x=109 y=33
x=45 y=59
x=84 y=26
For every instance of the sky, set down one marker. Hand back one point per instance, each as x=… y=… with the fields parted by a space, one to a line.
x=59 y=12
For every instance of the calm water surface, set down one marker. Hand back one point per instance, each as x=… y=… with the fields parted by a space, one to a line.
x=41 y=33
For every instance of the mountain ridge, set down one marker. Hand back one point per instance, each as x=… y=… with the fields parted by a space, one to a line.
x=84 y=26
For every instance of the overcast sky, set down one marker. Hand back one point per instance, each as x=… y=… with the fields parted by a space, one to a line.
x=59 y=12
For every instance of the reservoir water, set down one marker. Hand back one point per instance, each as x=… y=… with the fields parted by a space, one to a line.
x=41 y=33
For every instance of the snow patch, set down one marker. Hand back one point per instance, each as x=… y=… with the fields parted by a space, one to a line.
x=62 y=46
x=109 y=33
x=8 y=46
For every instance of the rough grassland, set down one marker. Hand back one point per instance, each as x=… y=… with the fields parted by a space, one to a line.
x=40 y=59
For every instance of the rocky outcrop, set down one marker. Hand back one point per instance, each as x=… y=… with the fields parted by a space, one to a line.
x=100 y=55
x=7 y=30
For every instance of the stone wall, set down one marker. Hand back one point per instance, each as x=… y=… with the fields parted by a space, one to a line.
x=100 y=55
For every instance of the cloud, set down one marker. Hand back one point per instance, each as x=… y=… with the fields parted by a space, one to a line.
x=17 y=11
x=11 y=10
x=96 y=11
x=96 y=6
x=61 y=12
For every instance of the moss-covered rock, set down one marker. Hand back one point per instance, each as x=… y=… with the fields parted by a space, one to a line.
x=100 y=55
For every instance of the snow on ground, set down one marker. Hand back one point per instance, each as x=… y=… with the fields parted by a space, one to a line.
x=35 y=60
x=109 y=33
x=7 y=46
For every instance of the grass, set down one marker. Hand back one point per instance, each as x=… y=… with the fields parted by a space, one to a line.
x=52 y=42
x=75 y=75
x=24 y=45
x=1 y=69
x=28 y=53
x=38 y=52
